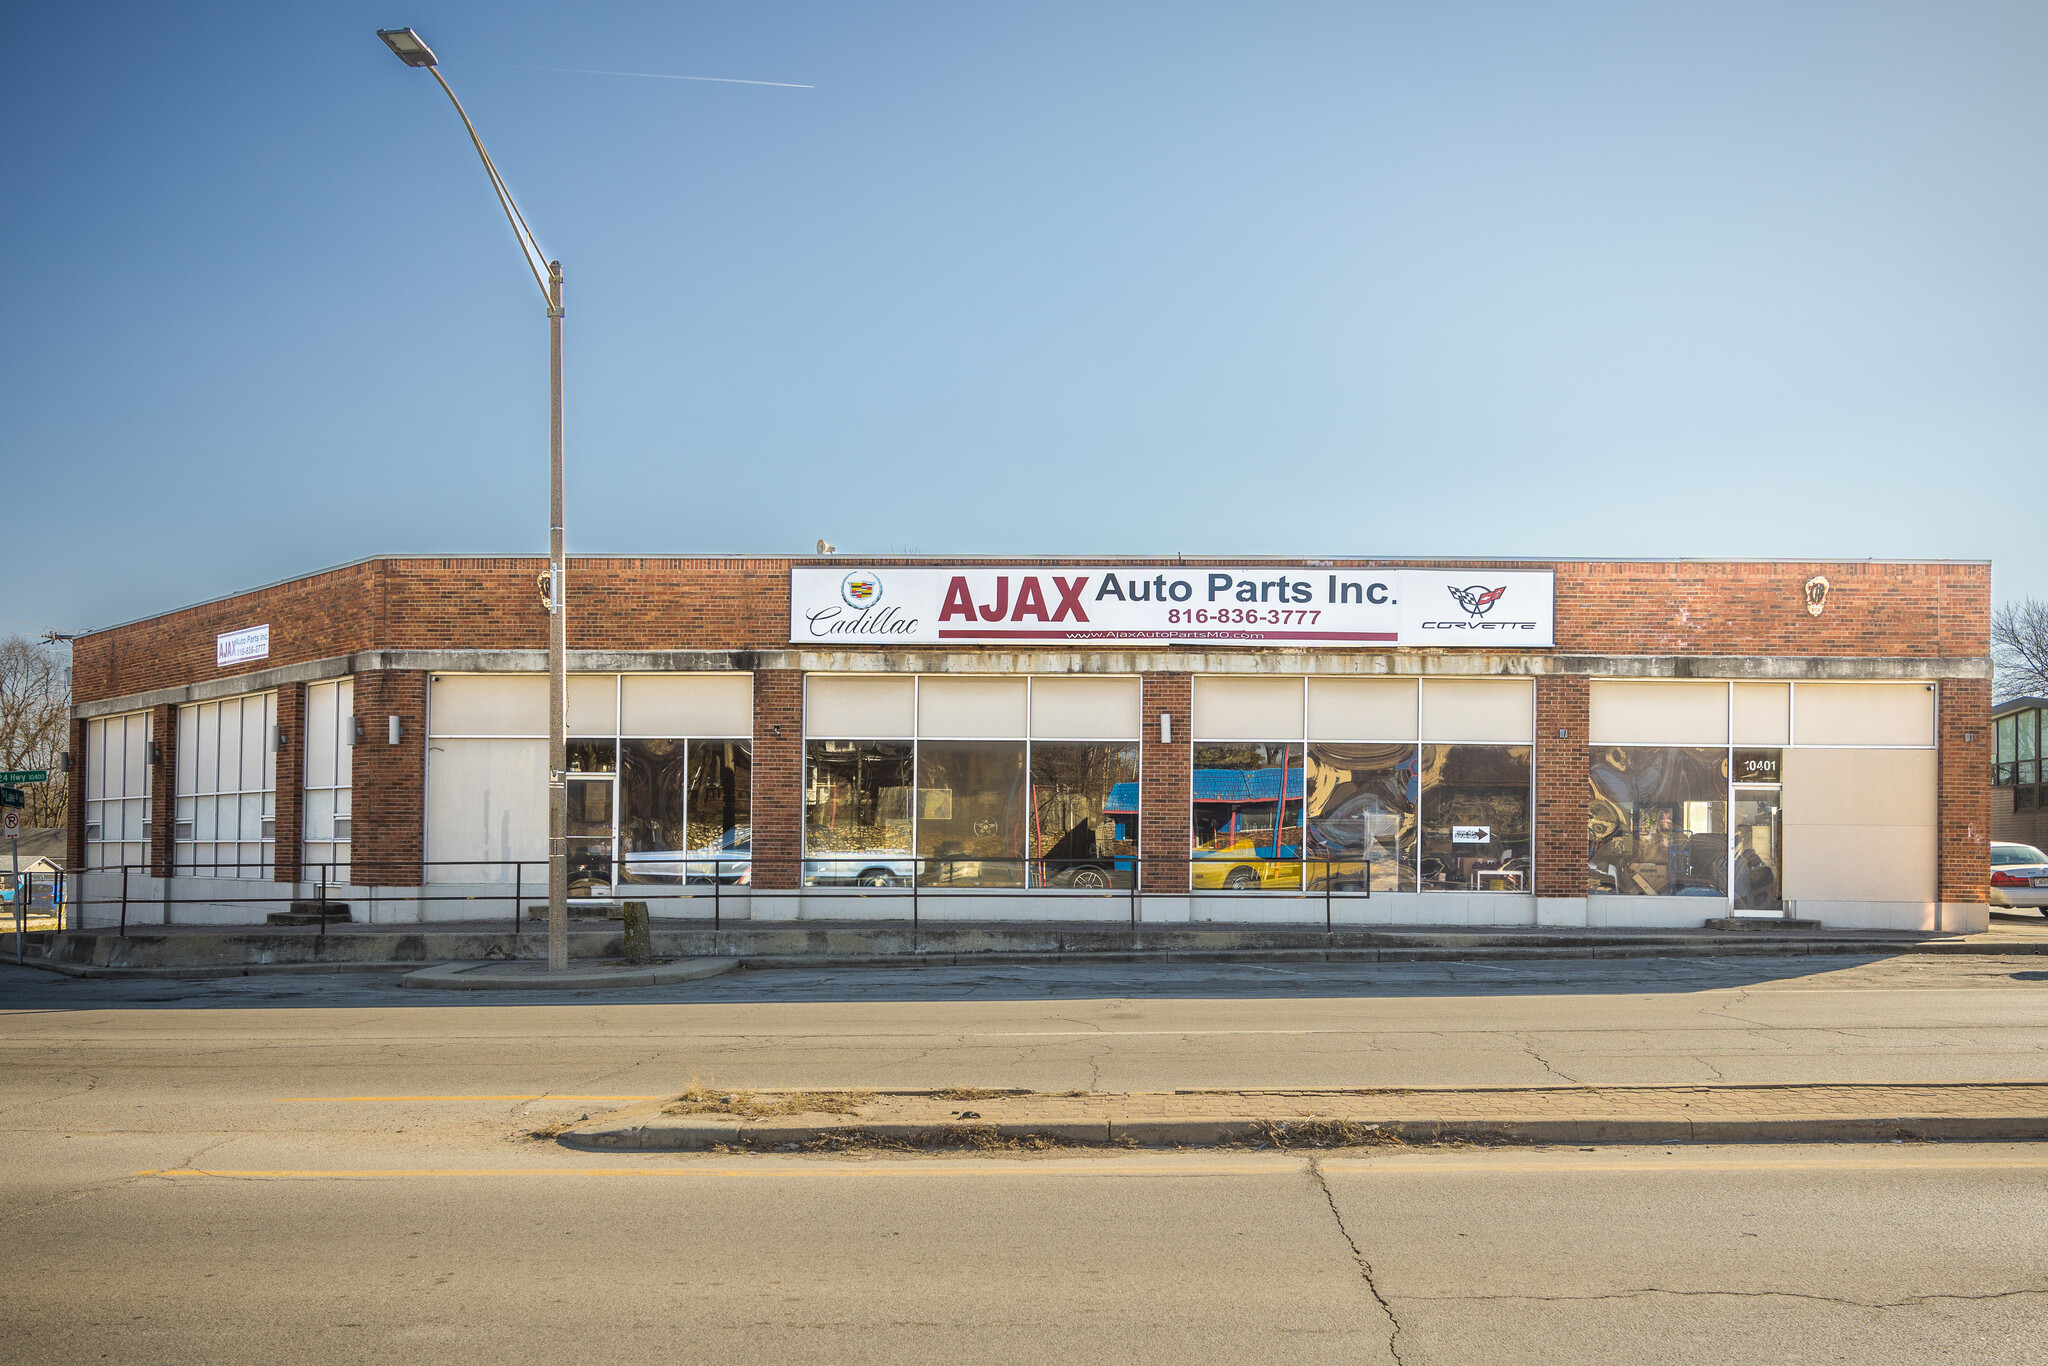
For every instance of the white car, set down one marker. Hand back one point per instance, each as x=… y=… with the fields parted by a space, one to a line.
x=2019 y=876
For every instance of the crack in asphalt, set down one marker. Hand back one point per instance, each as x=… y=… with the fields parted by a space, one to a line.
x=1529 y=1047
x=1315 y=1171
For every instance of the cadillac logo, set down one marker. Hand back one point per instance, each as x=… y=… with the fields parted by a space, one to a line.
x=1477 y=601
x=861 y=590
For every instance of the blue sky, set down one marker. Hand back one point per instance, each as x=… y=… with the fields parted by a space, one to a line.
x=1460 y=279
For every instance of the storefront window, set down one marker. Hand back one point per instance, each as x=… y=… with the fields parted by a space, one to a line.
x=1084 y=813
x=857 y=812
x=1658 y=821
x=1247 y=817
x=1361 y=817
x=1475 y=817
x=722 y=796
x=970 y=813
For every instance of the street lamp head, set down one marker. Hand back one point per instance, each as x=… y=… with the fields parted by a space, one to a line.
x=407 y=45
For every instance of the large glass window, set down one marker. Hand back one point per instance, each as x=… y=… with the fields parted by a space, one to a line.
x=1475 y=817
x=1084 y=813
x=2005 y=772
x=117 y=791
x=857 y=812
x=685 y=811
x=227 y=787
x=970 y=813
x=1247 y=816
x=330 y=754
x=1658 y=821
x=1361 y=817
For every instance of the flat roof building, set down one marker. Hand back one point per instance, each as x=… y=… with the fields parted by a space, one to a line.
x=1596 y=743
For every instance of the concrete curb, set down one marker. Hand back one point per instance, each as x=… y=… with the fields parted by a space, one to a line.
x=499 y=975
x=195 y=974
x=2005 y=1111
x=687 y=1133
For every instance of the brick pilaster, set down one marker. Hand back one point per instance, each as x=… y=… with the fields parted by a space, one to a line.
x=290 y=801
x=778 y=840
x=74 y=807
x=1165 y=806
x=1965 y=831
x=163 y=790
x=390 y=780
x=1562 y=764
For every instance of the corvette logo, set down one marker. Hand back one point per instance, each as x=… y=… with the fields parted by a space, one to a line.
x=1476 y=600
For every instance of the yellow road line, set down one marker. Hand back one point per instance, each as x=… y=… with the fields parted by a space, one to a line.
x=338 y=1100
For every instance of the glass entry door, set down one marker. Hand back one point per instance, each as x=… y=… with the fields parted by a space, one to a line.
x=590 y=835
x=1755 y=866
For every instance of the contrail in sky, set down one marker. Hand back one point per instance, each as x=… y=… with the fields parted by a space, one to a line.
x=661 y=76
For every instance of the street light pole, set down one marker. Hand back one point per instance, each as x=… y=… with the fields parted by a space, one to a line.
x=408 y=47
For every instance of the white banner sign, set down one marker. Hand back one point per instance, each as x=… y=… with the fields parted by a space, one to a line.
x=1146 y=605
x=239 y=647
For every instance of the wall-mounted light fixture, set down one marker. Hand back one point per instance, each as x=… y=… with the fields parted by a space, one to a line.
x=1166 y=728
x=277 y=739
x=156 y=752
x=64 y=762
x=394 y=730
x=352 y=733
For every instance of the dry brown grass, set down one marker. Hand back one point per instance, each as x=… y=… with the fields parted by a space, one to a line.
x=977 y=1093
x=1324 y=1133
x=699 y=1099
x=979 y=1137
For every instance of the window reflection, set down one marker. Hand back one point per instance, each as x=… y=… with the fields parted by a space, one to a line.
x=1246 y=837
x=970 y=813
x=1475 y=817
x=1658 y=821
x=1361 y=817
x=1084 y=813
x=857 y=812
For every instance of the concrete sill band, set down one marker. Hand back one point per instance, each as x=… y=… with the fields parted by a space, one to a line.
x=1850 y=1112
x=531 y=976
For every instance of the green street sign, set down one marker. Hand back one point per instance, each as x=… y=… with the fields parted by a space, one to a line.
x=14 y=797
x=26 y=775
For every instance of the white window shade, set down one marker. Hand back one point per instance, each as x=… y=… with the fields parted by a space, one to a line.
x=1479 y=710
x=1659 y=713
x=1861 y=824
x=1247 y=709
x=1085 y=709
x=484 y=704
x=971 y=708
x=593 y=704
x=666 y=705
x=1863 y=714
x=487 y=803
x=850 y=707
x=1763 y=714
x=1362 y=709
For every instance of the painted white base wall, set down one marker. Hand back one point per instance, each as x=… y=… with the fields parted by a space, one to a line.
x=238 y=901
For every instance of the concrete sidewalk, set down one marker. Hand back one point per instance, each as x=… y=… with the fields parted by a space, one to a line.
x=965 y=1117
x=231 y=950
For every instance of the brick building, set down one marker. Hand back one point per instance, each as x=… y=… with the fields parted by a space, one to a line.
x=1428 y=742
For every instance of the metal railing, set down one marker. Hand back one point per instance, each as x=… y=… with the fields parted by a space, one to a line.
x=896 y=876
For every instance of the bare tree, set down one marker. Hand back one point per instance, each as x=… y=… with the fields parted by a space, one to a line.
x=35 y=706
x=2019 y=647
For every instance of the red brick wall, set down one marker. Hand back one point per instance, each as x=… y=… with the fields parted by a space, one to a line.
x=163 y=789
x=1563 y=762
x=1666 y=607
x=290 y=802
x=1165 y=804
x=74 y=810
x=390 y=781
x=778 y=778
x=1965 y=854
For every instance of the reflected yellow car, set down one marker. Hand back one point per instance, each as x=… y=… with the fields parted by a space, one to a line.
x=1245 y=865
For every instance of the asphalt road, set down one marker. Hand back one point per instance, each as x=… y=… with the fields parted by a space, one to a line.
x=359 y=1182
